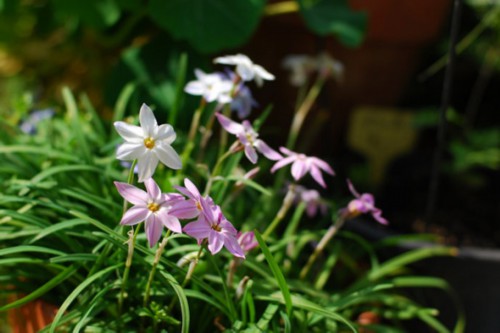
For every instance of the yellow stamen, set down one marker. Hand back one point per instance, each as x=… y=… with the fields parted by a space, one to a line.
x=149 y=143
x=153 y=207
x=216 y=227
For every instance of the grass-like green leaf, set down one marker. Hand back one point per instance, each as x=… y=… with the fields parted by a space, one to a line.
x=76 y=124
x=59 y=278
x=280 y=278
x=77 y=291
x=182 y=301
x=395 y=264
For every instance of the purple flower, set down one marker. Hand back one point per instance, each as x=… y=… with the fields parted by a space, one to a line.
x=364 y=203
x=28 y=126
x=248 y=138
x=212 y=225
x=312 y=199
x=243 y=101
x=192 y=207
x=247 y=241
x=152 y=206
x=303 y=164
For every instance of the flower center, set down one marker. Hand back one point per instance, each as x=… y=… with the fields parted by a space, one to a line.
x=216 y=227
x=250 y=138
x=149 y=142
x=153 y=206
x=198 y=206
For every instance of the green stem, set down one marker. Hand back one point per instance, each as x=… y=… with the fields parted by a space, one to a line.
x=195 y=123
x=128 y=263
x=285 y=206
x=303 y=111
x=330 y=233
x=130 y=180
x=189 y=273
x=215 y=170
x=158 y=254
x=227 y=112
x=131 y=244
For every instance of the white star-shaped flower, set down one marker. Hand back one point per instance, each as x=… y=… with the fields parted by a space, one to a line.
x=213 y=87
x=246 y=69
x=148 y=144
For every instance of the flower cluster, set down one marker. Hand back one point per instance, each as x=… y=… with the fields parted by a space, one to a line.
x=150 y=143
x=301 y=66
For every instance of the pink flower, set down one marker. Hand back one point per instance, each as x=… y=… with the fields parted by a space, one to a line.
x=248 y=138
x=303 y=164
x=190 y=208
x=312 y=199
x=212 y=225
x=247 y=241
x=152 y=206
x=364 y=203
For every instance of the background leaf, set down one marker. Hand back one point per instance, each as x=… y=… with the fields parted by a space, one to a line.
x=209 y=26
x=326 y=17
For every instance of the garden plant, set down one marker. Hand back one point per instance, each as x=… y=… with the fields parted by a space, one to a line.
x=131 y=225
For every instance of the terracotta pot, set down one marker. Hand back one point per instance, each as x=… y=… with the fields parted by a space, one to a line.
x=31 y=317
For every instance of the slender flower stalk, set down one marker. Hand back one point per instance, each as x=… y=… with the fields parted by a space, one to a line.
x=195 y=123
x=215 y=170
x=130 y=242
x=330 y=233
x=132 y=235
x=189 y=273
x=287 y=203
x=363 y=204
x=156 y=261
x=303 y=111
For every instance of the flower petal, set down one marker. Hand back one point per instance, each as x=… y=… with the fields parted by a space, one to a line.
x=231 y=243
x=287 y=151
x=130 y=151
x=352 y=189
x=215 y=241
x=166 y=134
x=377 y=215
x=316 y=174
x=192 y=188
x=261 y=72
x=128 y=132
x=251 y=154
x=154 y=228
x=170 y=222
x=134 y=215
x=281 y=163
x=148 y=121
x=132 y=194
x=146 y=166
x=196 y=88
x=322 y=165
x=168 y=156
x=229 y=125
x=267 y=151
x=299 y=169
x=185 y=209
x=153 y=189
x=198 y=229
